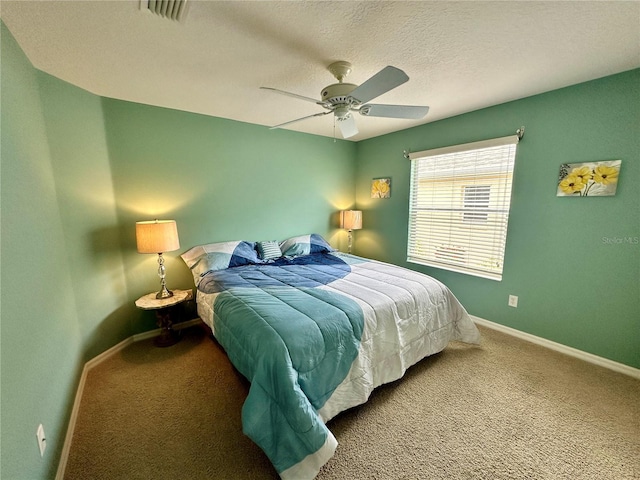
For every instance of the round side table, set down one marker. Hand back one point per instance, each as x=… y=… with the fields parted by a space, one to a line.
x=162 y=307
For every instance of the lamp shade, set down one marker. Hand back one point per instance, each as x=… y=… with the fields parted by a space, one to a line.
x=157 y=236
x=351 y=219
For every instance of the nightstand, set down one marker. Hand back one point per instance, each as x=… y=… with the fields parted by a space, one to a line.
x=163 y=308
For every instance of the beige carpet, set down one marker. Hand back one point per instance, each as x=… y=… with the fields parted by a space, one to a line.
x=505 y=410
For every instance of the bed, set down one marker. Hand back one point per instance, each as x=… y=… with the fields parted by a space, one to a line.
x=315 y=331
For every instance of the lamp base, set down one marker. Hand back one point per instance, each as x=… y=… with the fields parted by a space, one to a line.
x=164 y=293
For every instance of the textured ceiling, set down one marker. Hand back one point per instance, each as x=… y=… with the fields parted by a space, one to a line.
x=460 y=56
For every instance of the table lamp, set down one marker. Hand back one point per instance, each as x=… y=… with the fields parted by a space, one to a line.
x=158 y=236
x=351 y=220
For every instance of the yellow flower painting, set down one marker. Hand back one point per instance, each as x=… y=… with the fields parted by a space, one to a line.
x=381 y=188
x=593 y=179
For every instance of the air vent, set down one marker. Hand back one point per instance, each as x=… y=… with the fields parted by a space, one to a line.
x=170 y=9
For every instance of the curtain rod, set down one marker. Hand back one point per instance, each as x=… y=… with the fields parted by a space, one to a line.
x=519 y=133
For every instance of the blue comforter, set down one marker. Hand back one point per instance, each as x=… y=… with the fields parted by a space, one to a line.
x=315 y=335
x=294 y=342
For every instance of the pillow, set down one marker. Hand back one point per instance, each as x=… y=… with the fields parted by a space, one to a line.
x=218 y=256
x=304 y=245
x=268 y=250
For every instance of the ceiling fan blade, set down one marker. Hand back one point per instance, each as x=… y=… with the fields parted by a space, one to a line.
x=294 y=95
x=413 y=112
x=386 y=79
x=300 y=119
x=348 y=126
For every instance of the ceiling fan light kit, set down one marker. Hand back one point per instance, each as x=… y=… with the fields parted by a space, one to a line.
x=343 y=98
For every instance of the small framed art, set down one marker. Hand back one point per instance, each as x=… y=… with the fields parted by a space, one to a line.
x=381 y=187
x=588 y=179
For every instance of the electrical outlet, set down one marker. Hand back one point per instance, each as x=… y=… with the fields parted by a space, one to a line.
x=513 y=301
x=42 y=441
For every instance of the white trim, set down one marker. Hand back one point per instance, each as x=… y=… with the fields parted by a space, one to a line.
x=558 y=347
x=467 y=271
x=66 y=447
x=64 y=456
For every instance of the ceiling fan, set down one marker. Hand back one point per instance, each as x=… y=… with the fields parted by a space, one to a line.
x=342 y=99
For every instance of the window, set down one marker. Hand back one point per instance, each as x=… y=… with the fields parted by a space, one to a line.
x=459 y=206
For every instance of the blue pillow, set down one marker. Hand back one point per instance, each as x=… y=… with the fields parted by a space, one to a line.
x=268 y=250
x=304 y=245
x=218 y=256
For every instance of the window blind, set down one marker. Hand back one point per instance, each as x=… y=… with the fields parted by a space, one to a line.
x=459 y=206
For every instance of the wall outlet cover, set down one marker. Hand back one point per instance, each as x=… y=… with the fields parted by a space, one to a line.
x=42 y=441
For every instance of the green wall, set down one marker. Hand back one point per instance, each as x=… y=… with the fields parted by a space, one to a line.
x=573 y=262
x=220 y=180
x=77 y=172
x=82 y=173
x=40 y=338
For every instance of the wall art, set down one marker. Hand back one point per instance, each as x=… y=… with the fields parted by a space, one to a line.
x=588 y=179
x=381 y=188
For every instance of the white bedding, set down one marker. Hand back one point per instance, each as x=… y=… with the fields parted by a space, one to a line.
x=407 y=316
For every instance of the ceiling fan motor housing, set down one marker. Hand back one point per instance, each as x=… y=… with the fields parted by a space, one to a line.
x=337 y=93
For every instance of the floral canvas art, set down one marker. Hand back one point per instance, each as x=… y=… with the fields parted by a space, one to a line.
x=381 y=188
x=590 y=179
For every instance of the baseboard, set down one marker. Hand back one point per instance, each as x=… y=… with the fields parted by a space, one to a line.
x=573 y=352
x=154 y=333
x=62 y=465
